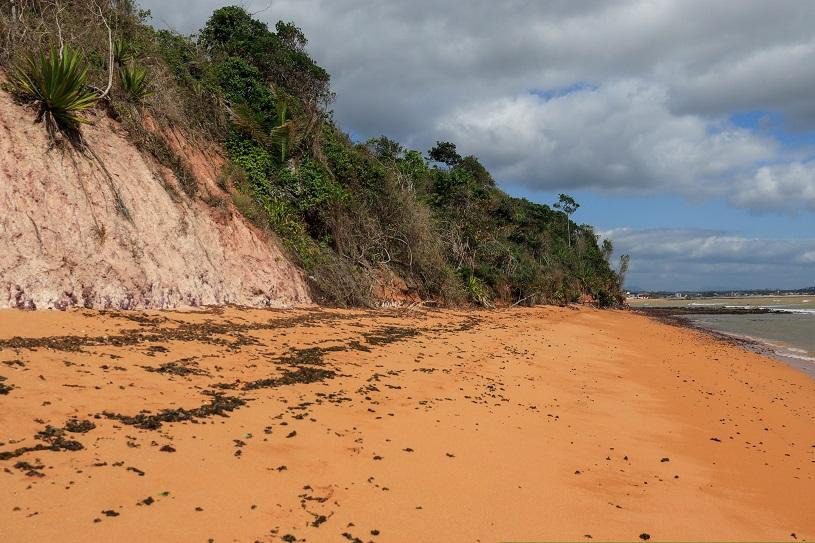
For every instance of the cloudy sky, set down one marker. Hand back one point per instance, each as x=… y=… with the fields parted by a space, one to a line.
x=685 y=128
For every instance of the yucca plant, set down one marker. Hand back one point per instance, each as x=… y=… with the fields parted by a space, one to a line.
x=124 y=52
x=56 y=85
x=135 y=81
x=477 y=291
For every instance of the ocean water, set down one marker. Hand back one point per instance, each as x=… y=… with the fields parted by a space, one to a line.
x=789 y=334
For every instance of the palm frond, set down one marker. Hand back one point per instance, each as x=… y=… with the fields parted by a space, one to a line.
x=251 y=122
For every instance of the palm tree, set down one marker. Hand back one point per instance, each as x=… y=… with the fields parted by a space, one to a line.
x=287 y=133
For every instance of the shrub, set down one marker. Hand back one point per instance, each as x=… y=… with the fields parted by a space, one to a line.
x=311 y=188
x=124 y=52
x=255 y=160
x=56 y=85
x=135 y=81
x=476 y=291
x=248 y=208
x=243 y=83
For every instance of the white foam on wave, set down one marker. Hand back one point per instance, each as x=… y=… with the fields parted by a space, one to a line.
x=783 y=351
x=777 y=308
x=793 y=353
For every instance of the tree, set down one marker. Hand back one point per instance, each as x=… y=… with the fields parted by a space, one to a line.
x=385 y=148
x=445 y=152
x=233 y=31
x=623 y=269
x=567 y=205
x=291 y=35
x=480 y=175
x=607 y=249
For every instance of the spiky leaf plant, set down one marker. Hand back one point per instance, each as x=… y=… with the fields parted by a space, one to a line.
x=251 y=123
x=135 y=81
x=56 y=85
x=287 y=133
x=285 y=136
x=477 y=291
x=124 y=52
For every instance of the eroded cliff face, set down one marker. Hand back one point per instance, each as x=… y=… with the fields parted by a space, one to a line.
x=116 y=231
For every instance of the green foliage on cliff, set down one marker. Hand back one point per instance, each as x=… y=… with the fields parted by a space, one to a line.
x=356 y=216
x=55 y=84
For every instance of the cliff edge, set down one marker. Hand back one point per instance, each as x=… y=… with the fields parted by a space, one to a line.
x=111 y=228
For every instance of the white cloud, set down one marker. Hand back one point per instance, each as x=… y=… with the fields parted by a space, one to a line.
x=679 y=259
x=779 y=187
x=618 y=135
x=663 y=76
x=776 y=77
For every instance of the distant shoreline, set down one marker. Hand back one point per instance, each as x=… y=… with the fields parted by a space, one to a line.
x=678 y=316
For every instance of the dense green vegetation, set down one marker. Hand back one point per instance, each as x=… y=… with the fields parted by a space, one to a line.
x=354 y=215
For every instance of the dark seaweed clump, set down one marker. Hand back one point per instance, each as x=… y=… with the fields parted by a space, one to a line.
x=301 y=375
x=302 y=362
x=219 y=405
x=77 y=426
x=53 y=440
x=4 y=389
x=31 y=470
x=390 y=334
x=56 y=438
x=182 y=368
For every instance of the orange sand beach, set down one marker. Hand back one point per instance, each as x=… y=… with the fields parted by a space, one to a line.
x=409 y=425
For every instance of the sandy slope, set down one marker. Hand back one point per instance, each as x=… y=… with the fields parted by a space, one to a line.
x=404 y=426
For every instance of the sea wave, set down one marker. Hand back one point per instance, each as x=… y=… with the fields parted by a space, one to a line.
x=783 y=351
x=793 y=353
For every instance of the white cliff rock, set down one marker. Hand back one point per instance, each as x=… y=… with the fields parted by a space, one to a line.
x=65 y=241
